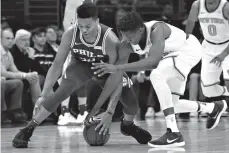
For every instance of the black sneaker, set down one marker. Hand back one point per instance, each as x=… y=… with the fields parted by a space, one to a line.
x=214 y=117
x=169 y=139
x=141 y=135
x=22 y=138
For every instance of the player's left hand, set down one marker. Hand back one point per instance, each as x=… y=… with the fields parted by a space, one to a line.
x=218 y=59
x=103 y=68
x=93 y=112
x=105 y=123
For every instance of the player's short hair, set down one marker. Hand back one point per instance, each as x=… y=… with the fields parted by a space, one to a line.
x=130 y=22
x=87 y=10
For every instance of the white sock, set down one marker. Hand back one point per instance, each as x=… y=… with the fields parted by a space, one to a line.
x=206 y=107
x=184 y=106
x=171 y=122
x=66 y=102
x=82 y=100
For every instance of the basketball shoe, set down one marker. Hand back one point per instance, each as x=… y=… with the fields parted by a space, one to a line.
x=141 y=135
x=169 y=139
x=214 y=117
x=22 y=138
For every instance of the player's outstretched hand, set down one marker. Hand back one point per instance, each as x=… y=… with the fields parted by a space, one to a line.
x=218 y=59
x=105 y=123
x=103 y=68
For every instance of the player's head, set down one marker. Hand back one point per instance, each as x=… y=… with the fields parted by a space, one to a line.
x=131 y=27
x=88 y=20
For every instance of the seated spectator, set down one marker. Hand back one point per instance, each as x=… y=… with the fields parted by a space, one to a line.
x=11 y=101
x=51 y=36
x=42 y=55
x=9 y=69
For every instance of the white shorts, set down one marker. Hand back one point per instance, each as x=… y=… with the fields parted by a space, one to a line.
x=176 y=68
x=210 y=73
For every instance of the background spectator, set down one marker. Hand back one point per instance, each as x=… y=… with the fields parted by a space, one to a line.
x=11 y=101
x=8 y=68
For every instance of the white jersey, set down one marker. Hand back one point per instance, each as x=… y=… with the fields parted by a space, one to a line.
x=172 y=44
x=213 y=24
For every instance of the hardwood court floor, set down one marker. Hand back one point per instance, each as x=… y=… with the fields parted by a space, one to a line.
x=69 y=139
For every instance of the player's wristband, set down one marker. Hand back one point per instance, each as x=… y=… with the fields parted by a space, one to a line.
x=23 y=75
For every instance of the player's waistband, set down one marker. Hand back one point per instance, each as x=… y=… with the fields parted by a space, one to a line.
x=217 y=43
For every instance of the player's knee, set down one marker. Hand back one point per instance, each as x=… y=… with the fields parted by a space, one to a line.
x=155 y=75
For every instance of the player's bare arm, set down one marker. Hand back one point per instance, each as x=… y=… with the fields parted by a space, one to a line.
x=111 y=47
x=106 y=118
x=158 y=35
x=219 y=58
x=193 y=17
x=56 y=68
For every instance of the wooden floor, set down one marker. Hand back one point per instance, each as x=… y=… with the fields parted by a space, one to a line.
x=69 y=139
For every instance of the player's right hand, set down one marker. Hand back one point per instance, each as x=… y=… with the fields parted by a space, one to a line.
x=105 y=123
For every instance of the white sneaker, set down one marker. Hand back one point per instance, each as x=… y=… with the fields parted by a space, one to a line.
x=150 y=112
x=159 y=114
x=80 y=119
x=66 y=119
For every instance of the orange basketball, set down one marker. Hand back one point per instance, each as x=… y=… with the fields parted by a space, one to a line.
x=93 y=137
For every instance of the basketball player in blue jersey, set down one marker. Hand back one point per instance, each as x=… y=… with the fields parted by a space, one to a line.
x=89 y=42
x=170 y=57
x=213 y=16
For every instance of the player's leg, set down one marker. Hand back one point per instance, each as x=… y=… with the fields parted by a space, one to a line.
x=214 y=109
x=76 y=75
x=130 y=109
x=159 y=80
x=210 y=73
x=169 y=79
x=65 y=117
x=82 y=104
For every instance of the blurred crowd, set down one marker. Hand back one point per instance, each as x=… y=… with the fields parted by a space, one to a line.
x=26 y=56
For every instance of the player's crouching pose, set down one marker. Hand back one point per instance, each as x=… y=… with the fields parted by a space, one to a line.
x=171 y=56
x=89 y=42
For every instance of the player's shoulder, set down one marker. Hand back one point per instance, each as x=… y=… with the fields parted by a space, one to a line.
x=111 y=37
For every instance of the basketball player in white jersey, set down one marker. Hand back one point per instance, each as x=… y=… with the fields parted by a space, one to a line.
x=170 y=57
x=213 y=16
